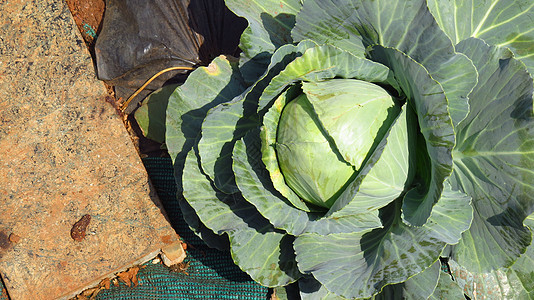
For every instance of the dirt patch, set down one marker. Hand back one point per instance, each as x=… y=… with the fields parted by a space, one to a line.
x=88 y=16
x=4 y=241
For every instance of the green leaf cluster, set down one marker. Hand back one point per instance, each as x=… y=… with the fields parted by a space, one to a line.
x=367 y=149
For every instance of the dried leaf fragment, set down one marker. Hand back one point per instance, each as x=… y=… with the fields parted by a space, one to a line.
x=125 y=277
x=129 y=277
x=78 y=229
x=180 y=267
x=90 y=292
x=105 y=283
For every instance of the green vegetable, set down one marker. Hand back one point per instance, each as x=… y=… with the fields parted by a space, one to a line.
x=354 y=143
x=308 y=156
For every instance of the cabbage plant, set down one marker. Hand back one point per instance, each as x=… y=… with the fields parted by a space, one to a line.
x=367 y=149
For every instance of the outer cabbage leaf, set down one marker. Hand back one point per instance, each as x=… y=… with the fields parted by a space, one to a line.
x=205 y=88
x=358 y=265
x=209 y=237
x=516 y=282
x=315 y=20
x=420 y=286
x=268 y=257
x=325 y=62
x=258 y=190
x=257 y=248
x=404 y=25
x=496 y=284
x=269 y=27
x=498 y=22
x=524 y=266
x=187 y=108
x=150 y=116
x=222 y=125
x=447 y=288
x=311 y=289
x=426 y=96
x=494 y=160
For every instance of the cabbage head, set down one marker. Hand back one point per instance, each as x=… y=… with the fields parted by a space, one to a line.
x=367 y=149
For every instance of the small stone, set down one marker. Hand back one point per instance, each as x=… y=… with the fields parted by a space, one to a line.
x=13 y=238
x=173 y=254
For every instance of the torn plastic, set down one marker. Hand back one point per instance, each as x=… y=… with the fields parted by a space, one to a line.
x=140 y=38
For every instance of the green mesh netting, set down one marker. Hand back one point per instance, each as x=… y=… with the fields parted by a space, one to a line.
x=211 y=274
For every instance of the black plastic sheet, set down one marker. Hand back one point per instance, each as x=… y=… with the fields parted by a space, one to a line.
x=140 y=38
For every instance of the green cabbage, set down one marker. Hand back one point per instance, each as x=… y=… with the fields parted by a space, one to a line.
x=353 y=111
x=356 y=146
